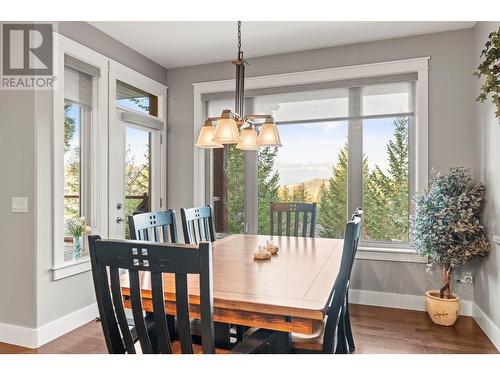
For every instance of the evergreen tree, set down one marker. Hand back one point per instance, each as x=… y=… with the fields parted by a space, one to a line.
x=235 y=189
x=285 y=195
x=385 y=195
x=332 y=210
x=397 y=151
x=268 y=185
x=69 y=127
x=300 y=194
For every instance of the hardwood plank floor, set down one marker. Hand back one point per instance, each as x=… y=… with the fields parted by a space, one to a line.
x=376 y=330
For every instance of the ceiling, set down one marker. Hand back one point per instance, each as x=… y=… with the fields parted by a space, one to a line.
x=174 y=43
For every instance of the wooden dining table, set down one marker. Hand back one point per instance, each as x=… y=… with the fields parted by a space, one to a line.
x=286 y=293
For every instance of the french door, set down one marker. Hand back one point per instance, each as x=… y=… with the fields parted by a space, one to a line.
x=134 y=173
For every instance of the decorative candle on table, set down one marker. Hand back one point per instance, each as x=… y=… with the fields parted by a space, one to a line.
x=262 y=253
x=271 y=247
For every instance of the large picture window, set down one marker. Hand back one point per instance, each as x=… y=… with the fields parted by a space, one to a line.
x=343 y=147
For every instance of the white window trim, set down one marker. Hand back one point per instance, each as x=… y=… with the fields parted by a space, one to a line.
x=99 y=164
x=419 y=65
x=97 y=168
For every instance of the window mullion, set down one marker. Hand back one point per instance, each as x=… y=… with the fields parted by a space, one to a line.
x=251 y=184
x=355 y=151
x=412 y=186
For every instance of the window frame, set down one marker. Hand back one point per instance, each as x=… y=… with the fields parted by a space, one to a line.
x=419 y=146
x=93 y=154
x=119 y=72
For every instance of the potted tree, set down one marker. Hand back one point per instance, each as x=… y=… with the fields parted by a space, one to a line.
x=446 y=228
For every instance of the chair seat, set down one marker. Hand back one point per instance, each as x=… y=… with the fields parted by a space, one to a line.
x=313 y=341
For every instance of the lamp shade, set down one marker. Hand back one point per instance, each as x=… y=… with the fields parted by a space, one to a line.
x=248 y=139
x=226 y=131
x=205 y=139
x=269 y=136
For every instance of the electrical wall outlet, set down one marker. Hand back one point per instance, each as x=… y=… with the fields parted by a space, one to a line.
x=466 y=278
x=20 y=204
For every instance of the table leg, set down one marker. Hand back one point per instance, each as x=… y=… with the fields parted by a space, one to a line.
x=282 y=343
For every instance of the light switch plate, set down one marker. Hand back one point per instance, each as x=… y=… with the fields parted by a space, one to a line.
x=19 y=204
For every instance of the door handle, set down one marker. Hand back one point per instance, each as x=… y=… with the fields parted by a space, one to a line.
x=119 y=220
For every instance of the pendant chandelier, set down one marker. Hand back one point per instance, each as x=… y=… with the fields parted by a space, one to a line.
x=247 y=132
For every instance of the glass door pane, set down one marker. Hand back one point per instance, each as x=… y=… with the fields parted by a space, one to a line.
x=137 y=173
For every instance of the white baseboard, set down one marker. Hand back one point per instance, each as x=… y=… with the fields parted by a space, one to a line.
x=18 y=335
x=36 y=337
x=398 y=300
x=66 y=324
x=487 y=325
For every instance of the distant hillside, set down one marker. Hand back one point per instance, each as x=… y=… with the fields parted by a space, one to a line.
x=312 y=187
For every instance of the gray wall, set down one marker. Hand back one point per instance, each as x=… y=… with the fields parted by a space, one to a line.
x=27 y=249
x=450 y=118
x=17 y=243
x=89 y=36
x=487 y=130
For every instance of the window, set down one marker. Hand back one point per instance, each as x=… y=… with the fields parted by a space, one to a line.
x=77 y=127
x=343 y=147
x=131 y=97
x=312 y=164
x=229 y=186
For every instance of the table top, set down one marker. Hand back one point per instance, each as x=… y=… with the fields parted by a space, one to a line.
x=296 y=282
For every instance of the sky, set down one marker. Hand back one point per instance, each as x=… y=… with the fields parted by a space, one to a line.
x=310 y=150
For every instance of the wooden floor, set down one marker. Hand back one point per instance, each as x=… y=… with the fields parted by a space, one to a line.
x=376 y=330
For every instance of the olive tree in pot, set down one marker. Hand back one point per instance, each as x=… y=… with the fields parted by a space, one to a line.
x=446 y=228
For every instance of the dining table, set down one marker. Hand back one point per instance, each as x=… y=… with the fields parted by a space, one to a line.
x=287 y=293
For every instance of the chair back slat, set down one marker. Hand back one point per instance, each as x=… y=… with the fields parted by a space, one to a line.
x=154 y=259
x=296 y=225
x=197 y=224
x=304 y=224
x=137 y=312
x=163 y=341
x=288 y=223
x=206 y=303
x=153 y=226
x=337 y=297
x=182 y=307
x=114 y=275
x=357 y=214
x=109 y=324
x=292 y=215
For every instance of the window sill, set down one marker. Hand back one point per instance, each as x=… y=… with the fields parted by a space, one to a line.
x=389 y=254
x=71 y=268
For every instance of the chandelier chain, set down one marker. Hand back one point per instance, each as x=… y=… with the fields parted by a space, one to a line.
x=239 y=37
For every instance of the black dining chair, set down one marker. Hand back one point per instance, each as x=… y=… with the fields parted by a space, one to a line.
x=289 y=221
x=108 y=257
x=154 y=226
x=197 y=224
x=345 y=312
x=329 y=335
